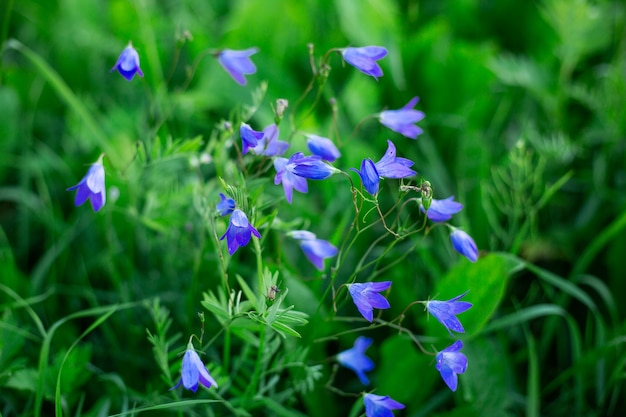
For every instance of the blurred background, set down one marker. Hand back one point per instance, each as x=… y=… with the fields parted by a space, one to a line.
x=525 y=124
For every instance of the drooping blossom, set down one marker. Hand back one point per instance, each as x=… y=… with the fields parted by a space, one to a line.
x=446 y=311
x=238 y=63
x=403 y=120
x=366 y=297
x=239 y=231
x=356 y=360
x=91 y=187
x=249 y=137
x=323 y=147
x=451 y=362
x=442 y=210
x=364 y=59
x=225 y=206
x=269 y=145
x=316 y=250
x=194 y=372
x=293 y=172
x=389 y=166
x=464 y=244
x=380 y=406
x=128 y=63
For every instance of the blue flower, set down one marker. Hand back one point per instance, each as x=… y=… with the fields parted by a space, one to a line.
x=238 y=63
x=402 y=120
x=128 y=63
x=366 y=297
x=249 y=137
x=451 y=362
x=269 y=145
x=194 y=372
x=323 y=147
x=446 y=311
x=389 y=166
x=464 y=244
x=442 y=210
x=225 y=206
x=316 y=250
x=239 y=231
x=356 y=359
x=91 y=187
x=364 y=59
x=380 y=406
x=292 y=173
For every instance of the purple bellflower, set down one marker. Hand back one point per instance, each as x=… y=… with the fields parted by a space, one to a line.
x=402 y=120
x=464 y=244
x=446 y=311
x=194 y=372
x=356 y=360
x=249 y=137
x=323 y=147
x=364 y=59
x=238 y=63
x=269 y=145
x=316 y=250
x=92 y=187
x=239 y=231
x=225 y=206
x=380 y=406
x=366 y=297
x=389 y=166
x=451 y=362
x=293 y=172
x=442 y=210
x=128 y=63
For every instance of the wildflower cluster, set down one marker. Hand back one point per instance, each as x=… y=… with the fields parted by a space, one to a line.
x=293 y=169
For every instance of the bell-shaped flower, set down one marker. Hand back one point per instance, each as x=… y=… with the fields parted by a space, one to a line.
x=389 y=166
x=225 y=206
x=316 y=250
x=239 y=231
x=403 y=120
x=238 y=63
x=269 y=145
x=464 y=244
x=323 y=147
x=446 y=311
x=356 y=360
x=442 y=210
x=451 y=362
x=91 y=187
x=294 y=172
x=249 y=137
x=366 y=297
x=128 y=63
x=380 y=406
x=364 y=59
x=194 y=372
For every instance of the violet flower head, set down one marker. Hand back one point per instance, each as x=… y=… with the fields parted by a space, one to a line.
x=225 y=206
x=464 y=244
x=238 y=63
x=239 y=231
x=356 y=360
x=128 y=63
x=451 y=362
x=313 y=168
x=323 y=147
x=284 y=175
x=269 y=145
x=91 y=187
x=194 y=372
x=249 y=137
x=442 y=210
x=389 y=166
x=380 y=406
x=446 y=311
x=402 y=120
x=364 y=59
x=366 y=297
x=316 y=250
